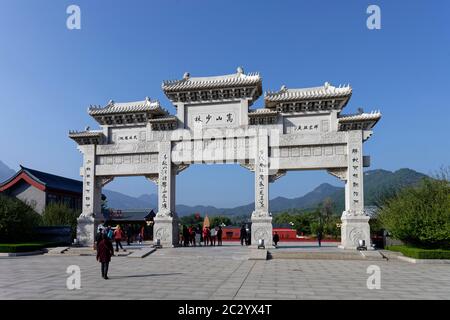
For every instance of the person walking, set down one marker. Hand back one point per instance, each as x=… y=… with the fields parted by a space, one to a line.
x=98 y=238
x=205 y=236
x=198 y=235
x=109 y=233
x=129 y=232
x=219 y=236
x=276 y=238
x=118 y=236
x=192 y=236
x=213 y=236
x=243 y=235
x=105 y=251
x=186 y=236
x=319 y=237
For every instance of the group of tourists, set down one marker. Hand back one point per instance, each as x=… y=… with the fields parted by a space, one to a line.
x=119 y=234
x=195 y=235
x=105 y=237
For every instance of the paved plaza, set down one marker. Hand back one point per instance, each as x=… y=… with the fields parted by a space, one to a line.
x=219 y=273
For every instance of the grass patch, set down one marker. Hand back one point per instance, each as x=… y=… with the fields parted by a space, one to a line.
x=419 y=253
x=26 y=247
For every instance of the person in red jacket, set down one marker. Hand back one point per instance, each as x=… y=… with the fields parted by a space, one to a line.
x=118 y=236
x=104 y=252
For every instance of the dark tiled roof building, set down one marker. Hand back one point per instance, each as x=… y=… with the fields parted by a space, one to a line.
x=39 y=188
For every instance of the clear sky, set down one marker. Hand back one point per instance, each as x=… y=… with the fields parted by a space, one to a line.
x=49 y=75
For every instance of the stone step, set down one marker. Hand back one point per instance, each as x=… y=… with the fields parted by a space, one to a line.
x=57 y=250
x=317 y=255
x=142 y=253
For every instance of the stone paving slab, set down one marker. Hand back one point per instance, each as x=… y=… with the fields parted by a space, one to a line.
x=258 y=254
x=219 y=273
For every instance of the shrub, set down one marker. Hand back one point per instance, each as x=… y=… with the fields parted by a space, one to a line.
x=420 y=216
x=419 y=253
x=17 y=220
x=58 y=214
x=26 y=247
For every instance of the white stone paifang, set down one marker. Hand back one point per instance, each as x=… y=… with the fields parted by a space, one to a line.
x=297 y=129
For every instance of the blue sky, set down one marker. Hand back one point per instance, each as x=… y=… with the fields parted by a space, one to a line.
x=49 y=75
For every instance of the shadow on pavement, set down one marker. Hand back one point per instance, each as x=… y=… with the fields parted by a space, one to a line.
x=145 y=275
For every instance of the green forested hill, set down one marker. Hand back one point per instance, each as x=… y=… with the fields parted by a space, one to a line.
x=380 y=182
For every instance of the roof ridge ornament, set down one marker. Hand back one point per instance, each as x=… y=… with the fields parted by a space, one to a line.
x=239 y=70
x=110 y=103
x=186 y=76
x=283 y=88
x=327 y=85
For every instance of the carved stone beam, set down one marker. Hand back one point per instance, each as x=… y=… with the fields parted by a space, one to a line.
x=340 y=173
x=249 y=166
x=277 y=175
x=153 y=177
x=105 y=180
x=367 y=134
x=180 y=168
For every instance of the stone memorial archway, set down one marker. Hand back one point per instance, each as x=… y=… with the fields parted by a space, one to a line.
x=297 y=129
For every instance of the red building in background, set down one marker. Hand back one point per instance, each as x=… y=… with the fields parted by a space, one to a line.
x=286 y=233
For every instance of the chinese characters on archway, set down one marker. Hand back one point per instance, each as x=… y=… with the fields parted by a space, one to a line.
x=128 y=137
x=261 y=171
x=354 y=171
x=88 y=185
x=164 y=181
x=310 y=127
x=214 y=118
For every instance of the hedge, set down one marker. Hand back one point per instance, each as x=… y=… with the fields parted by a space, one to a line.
x=26 y=247
x=419 y=253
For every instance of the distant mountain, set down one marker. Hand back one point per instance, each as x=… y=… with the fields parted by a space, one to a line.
x=5 y=172
x=376 y=182
x=119 y=200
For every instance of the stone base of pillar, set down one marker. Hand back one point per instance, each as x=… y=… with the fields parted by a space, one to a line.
x=166 y=230
x=85 y=231
x=353 y=229
x=262 y=229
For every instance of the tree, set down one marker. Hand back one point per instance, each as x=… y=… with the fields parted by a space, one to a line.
x=59 y=214
x=192 y=219
x=17 y=220
x=420 y=215
x=300 y=220
x=326 y=220
x=219 y=220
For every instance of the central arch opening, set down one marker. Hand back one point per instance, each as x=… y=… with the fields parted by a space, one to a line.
x=218 y=196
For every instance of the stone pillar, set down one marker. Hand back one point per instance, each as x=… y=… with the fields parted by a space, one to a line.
x=166 y=222
x=92 y=193
x=261 y=217
x=355 y=222
x=180 y=114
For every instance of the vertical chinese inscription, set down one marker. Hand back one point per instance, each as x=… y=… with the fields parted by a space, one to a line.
x=262 y=167
x=356 y=181
x=262 y=177
x=164 y=181
x=88 y=186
